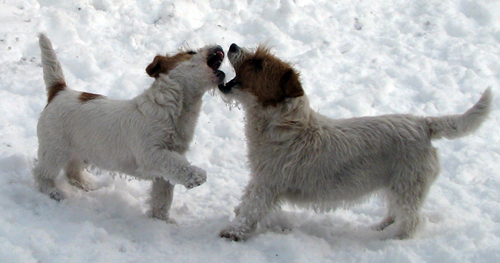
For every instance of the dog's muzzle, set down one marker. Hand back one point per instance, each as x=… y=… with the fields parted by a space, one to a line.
x=214 y=60
x=228 y=87
x=234 y=53
x=215 y=57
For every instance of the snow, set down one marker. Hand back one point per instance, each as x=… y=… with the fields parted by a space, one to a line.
x=356 y=58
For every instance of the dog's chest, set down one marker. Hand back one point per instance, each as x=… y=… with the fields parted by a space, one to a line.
x=173 y=141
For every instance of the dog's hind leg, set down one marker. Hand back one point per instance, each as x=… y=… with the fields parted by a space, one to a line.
x=74 y=172
x=46 y=171
x=409 y=193
x=390 y=217
x=407 y=216
x=162 y=194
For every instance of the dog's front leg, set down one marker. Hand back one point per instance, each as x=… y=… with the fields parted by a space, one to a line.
x=257 y=201
x=172 y=167
x=162 y=194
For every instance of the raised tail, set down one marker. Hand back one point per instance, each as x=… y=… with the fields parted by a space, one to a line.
x=52 y=70
x=455 y=126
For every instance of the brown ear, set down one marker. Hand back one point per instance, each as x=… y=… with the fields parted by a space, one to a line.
x=290 y=84
x=154 y=69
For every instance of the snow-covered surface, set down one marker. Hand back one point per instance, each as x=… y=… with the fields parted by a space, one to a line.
x=356 y=58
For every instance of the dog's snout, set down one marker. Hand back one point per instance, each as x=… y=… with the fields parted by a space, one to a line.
x=221 y=76
x=217 y=50
x=227 y=88
x=234 y=48
x=215 y=57
x=234 y=54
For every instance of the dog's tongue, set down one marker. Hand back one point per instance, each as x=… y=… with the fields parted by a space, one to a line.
x=220 y=54
x=215 y=59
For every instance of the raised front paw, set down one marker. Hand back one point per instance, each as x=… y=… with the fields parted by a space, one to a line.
x=195 y=177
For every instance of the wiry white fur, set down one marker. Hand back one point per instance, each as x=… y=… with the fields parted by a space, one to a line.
x=298 y=156
x=145 y=137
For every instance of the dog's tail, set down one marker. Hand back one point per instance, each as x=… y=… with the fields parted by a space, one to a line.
x=52 y=70
x=455 y=126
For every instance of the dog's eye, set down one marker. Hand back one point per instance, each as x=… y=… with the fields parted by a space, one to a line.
x=191 y=52
x=257 y=64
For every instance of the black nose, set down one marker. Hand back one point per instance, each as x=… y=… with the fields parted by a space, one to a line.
x=233 y=48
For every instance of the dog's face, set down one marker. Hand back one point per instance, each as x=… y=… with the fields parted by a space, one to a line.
x=262 y=75
x=198 y=68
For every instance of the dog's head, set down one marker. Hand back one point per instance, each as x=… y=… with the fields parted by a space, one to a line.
x=261 y=74
x=198 y=68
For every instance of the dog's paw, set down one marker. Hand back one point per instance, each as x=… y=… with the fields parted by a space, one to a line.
x=195 y=177
x=84 y=185
x=170 y=221
x=56 y=195
x=383 y=224
x=232 y=234
x=162 y=217
x=47 y=186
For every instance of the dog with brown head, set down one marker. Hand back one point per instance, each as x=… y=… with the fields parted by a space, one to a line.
x=299 y=156
x=263 y=75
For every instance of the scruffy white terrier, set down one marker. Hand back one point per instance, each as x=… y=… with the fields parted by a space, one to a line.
x=145 y=137
x=299 y=156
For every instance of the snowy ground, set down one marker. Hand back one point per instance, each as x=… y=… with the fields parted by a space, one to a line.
x=356 y=58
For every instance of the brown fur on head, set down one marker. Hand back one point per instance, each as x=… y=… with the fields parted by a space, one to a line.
x=163 y=64
x=267 y=77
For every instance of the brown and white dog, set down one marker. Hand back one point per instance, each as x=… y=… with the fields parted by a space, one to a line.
x=145 y=137
x=297 y=155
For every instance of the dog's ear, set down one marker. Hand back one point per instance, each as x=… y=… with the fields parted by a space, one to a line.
x=290 y=84
x=154 y=69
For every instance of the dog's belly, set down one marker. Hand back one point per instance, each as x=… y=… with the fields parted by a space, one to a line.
x=116 y=161
x=326 y=196
x=332 y=191
x=329 y=182
x=127 y=166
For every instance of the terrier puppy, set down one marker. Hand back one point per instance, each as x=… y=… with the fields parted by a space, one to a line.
x=145 y=137
x=299 y=156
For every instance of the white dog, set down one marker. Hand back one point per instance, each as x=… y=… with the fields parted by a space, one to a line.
x=299 y=156
x=144 y=137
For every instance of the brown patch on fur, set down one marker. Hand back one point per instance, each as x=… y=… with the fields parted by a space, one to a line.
x=163 y=64
x=53 y=90
x=268 y=78
x=85 y=96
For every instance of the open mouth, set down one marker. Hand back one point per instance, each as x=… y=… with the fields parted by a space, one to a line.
x=226 y=88
x=214 y=59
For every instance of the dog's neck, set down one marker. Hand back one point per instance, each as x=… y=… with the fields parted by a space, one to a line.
x=177 y=106
x=290 y=114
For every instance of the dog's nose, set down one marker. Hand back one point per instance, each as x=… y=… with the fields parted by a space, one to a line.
x=233 y=48
x=217 y=50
